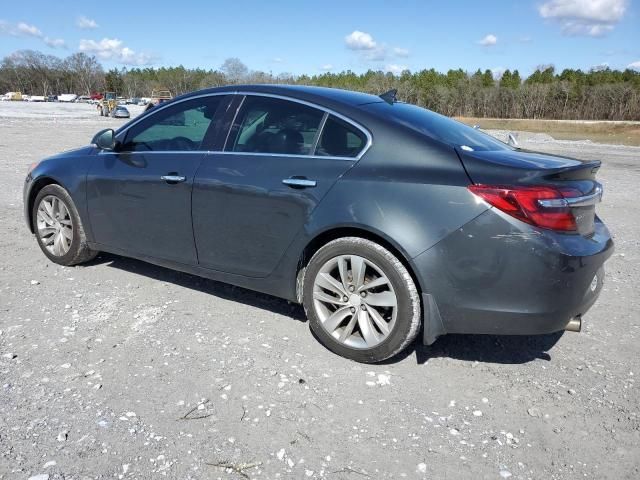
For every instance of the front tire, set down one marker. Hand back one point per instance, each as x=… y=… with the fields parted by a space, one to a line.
x=361 y=301
x=58 y=227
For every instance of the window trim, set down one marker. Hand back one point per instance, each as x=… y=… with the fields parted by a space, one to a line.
x=244 y=94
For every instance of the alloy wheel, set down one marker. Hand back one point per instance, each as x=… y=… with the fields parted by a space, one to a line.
x=55 y=227
x=355 y=301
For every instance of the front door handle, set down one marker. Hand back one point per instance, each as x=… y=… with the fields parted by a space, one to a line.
x=299 y=182
x=173 y=178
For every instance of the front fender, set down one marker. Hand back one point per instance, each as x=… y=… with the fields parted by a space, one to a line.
x=69 y=170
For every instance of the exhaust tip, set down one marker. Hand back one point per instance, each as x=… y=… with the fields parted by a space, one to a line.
x=574 y=325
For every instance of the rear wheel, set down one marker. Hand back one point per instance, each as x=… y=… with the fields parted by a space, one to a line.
x=361 y=301
x=58 y=227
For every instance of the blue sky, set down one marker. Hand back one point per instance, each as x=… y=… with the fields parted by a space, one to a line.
x=312 y=37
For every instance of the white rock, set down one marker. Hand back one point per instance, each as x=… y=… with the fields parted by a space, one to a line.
x=130 y=414
x=50 y=463
x=62 y=436
x=280 y=454
x=485 y=400
x=505 y=473
x=422 y=468
x=384 y=379
x=477 y=413
x=308 y=473
x=290 y=462
x=42 y=476
x=35 y=282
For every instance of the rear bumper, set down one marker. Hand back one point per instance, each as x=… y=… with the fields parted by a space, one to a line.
x=497 y=275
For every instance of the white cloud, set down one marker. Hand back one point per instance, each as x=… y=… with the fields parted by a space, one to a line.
x=113 y=49
x=401 y=52
x=326 y=67
x=594 y=18
x=634 y=65
x=395 y=69
x=28 y=30
x=358 y=40
x=277 y=59
x=488 y=40
x=55 y=42
x=599 y=67
x=86 y=23
x=23 y=29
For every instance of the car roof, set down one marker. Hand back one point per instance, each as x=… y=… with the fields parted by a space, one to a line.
x=301 y=92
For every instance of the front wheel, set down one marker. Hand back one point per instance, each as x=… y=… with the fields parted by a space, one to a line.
x=361 y=301
x=58 y=228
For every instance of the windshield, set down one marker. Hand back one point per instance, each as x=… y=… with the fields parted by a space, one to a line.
x=438 y=127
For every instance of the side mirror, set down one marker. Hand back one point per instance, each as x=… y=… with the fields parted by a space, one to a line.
x=511 y=140
x=105 y=139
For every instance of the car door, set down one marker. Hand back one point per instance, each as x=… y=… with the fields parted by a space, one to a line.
x=139 y=196
x=251 y=199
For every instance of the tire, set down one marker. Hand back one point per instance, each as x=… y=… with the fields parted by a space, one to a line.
x=381 y=315
x=56 y=220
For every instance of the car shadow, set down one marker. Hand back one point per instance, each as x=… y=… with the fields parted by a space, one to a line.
x=201 y=284
x=505 y=349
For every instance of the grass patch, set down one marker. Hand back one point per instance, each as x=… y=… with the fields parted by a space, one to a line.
x=617 y=133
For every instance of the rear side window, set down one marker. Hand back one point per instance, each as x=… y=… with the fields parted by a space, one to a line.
x=179 y=127
x=340 y=139
x=438 y=127
x=273 y=125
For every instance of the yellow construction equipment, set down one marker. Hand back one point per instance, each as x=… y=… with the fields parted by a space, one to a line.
x=107 y=104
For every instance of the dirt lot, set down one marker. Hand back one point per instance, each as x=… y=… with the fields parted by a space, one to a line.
x=119 y=369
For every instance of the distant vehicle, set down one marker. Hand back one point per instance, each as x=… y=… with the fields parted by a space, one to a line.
x=107 y=104
x=160 y=95
x=52 y=98
x=67 y=97
x=95 y=96
x=13 y=96
x=37 y=98
x=366 y=210
x=120 y=112
x=83 y=99
x=133 y=101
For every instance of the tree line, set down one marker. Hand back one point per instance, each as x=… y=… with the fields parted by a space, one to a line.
x=597 y=94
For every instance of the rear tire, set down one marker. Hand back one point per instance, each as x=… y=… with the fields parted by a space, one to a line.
x=361 y=301
x=58 y=227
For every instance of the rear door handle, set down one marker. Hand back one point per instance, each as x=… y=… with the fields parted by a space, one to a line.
x=173 y=178
x=297 y=182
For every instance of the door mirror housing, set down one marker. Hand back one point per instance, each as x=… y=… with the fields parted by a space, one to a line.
x=105 y=139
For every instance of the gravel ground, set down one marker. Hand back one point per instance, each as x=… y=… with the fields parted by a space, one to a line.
x=120 y=369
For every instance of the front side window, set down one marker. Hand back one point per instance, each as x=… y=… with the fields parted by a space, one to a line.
x=340 y=139
x=180 y=127
x=276 y=126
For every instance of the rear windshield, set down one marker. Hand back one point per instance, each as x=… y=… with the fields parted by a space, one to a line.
x=438 y=127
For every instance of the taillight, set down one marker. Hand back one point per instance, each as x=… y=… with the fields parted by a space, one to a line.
x=538 y=205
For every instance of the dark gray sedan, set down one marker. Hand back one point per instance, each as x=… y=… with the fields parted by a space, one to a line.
x=382 y=218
